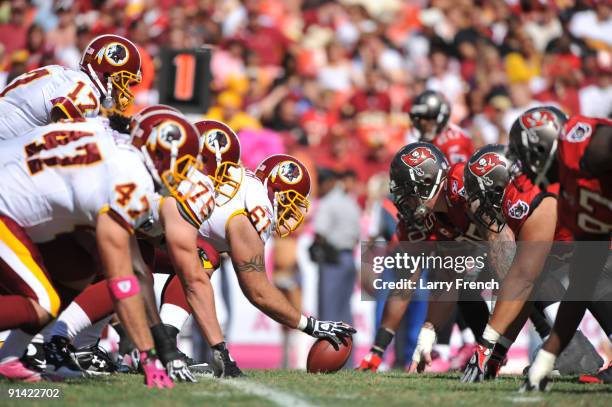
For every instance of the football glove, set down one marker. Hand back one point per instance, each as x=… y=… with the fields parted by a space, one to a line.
x=421 y=357
x=223 y=363
x=475 y=369
x=370 y=362
x=537 y=377
x=334 y=331
x=495 y=363
x=154 y=372
x=179 y=371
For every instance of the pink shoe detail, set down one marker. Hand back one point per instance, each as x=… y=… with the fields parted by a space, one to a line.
x=15 y=370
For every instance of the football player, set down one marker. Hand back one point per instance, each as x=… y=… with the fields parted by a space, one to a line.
x=430 y=113
x=74 y=174
x=240 y=194
x=429 y=197
x=582 y=156
x=497 y=200
x=109 y=66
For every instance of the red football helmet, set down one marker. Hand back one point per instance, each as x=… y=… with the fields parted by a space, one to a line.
x=288 y=184
x=170 y=145
x=136 y=117
x=220 y=155
x=113 y=64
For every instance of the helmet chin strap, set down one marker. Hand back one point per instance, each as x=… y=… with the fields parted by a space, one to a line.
x=541 y=177
x=107 y=99
x=108 y=102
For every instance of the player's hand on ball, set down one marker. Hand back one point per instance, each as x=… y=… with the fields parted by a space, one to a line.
x=179 y=371
x=223 y=363
x=475 y=369
x=154 y=372
x=335 y=331
x=421 y=358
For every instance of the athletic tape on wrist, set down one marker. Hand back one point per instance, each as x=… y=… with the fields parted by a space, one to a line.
x=123 y=287
x=303 y=323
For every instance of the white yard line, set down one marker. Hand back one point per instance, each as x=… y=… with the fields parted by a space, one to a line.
x=277 y=397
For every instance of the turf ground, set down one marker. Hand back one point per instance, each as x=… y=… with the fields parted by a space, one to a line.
x=298 y=389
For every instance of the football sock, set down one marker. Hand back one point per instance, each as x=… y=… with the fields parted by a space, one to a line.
x=383 y=338
x=70 y=322
x=15 y=345
x=17 y=311
x=96 y=301
x=91 y=335
x=173 y=294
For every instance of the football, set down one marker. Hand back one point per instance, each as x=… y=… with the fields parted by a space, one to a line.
x=323 y=358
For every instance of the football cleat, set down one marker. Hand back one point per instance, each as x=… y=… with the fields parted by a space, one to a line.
x=604 y=376
x=95 y=360
x=198 y=368
x=61 y=360
x=16 y=370
x=370 y=362
x=34 y=356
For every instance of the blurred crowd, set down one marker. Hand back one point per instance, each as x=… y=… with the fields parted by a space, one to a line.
x=334 y=79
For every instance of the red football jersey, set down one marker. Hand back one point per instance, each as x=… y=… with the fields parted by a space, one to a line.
x=585 y=202
x=453 y=141
x=451 y=225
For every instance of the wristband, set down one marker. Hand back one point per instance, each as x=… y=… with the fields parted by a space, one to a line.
x=123 y=287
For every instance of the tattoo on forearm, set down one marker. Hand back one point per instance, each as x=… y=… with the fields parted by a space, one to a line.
x=256 y=263
x=502 y=250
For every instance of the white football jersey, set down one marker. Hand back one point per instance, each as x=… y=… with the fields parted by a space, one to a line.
x=251 y=200
x=27 y=101
x=59 y=177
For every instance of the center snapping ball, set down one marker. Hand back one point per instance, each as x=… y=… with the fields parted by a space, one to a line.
x=323 y=358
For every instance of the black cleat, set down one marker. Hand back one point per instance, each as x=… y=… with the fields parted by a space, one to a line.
x=95 y=360
x=61 y=360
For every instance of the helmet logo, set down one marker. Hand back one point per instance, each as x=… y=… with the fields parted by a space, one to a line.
x=418 y=156
x=518 y=210
x=116 y=54
x=485 y=164
x=220 y=137
x=289 y=172
x=537 y=119
x=169 y=133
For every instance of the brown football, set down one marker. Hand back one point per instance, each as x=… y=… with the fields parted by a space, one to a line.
x=323 y=358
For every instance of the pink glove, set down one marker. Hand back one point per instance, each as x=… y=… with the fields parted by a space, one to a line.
x=154 y=371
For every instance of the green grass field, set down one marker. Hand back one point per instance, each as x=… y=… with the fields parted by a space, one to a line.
x=298 y=389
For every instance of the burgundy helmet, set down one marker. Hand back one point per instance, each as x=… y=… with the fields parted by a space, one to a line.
x=170 y=145
x=288 y=184
x=220 y=156
x=113 y=64
x=136 y=117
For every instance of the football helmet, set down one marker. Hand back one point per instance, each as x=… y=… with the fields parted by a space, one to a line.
x=170 y=146
x=486 y=175
x=113 y=64
x=220 y=155
x=288 y=184
x=136 y=117
x=418 y=171
x=533 y=142
x=429 y=113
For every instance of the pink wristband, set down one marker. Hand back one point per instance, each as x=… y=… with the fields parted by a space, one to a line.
x=123 y=287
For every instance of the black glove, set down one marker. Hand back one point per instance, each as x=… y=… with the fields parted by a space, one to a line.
x=223 y=363
x=335 y=331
